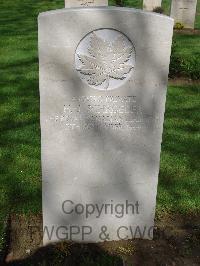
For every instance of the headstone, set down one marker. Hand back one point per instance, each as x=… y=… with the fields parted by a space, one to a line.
x=184 y=11
x=103 y=86
x=85 y=3
x=149 y=5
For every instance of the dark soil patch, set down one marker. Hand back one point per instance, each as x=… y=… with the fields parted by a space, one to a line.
x=25 y=236
x=188 y=31
x=181 y=81
x=176 y=242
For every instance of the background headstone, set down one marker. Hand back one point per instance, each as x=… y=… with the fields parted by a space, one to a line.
x=149 y=5
x=103 y=86
x=184 y=11
x=85 y=3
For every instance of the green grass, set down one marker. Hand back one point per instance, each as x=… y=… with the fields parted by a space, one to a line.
x=185 y=57
x=187 y=45
x=20 y=179
x=179 y=169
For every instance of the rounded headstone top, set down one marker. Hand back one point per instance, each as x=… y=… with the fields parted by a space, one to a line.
x=105 y=9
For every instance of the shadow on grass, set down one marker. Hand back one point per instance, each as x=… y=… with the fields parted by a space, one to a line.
x=178 y=178
x=76 y=255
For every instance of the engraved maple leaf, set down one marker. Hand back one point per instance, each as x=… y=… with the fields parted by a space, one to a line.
x=105 y=60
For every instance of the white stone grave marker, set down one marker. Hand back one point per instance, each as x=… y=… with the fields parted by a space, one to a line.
x=103 y=86
x=85 y=3
x=184 y=11
x=149 y=5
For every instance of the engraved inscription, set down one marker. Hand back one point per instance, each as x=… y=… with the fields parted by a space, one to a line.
x=85 y=2
x=104 y=59
x=116 y=112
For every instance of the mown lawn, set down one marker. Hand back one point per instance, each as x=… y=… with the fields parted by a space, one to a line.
x=20 y=170
x=179 y=168
x=185 y=56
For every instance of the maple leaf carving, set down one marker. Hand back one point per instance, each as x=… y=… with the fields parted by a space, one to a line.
x=105 y=60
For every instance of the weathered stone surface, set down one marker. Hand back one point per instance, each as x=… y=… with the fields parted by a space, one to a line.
x=149 y=5
x=85 y=3
x=103 y=85
x=184 y=11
